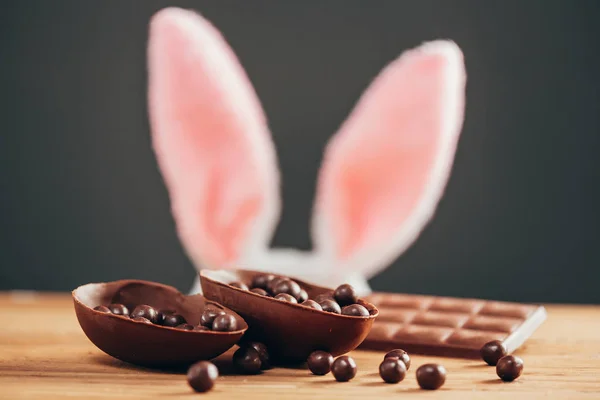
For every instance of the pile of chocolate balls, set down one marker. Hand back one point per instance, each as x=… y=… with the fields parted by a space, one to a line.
x=343 y=300
x=213 y=317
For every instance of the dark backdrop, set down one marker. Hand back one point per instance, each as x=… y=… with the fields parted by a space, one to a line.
x=82 y=199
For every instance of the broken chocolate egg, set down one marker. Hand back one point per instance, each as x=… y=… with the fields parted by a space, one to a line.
x=290 y=331
x=144 y=343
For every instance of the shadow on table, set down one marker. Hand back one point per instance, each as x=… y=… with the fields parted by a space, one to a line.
x=496 y=381
x=477 y=366
x=374 y=384
x=106 y=360
x=224 y=365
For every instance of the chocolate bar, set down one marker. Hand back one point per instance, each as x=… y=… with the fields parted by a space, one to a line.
x=447 y=326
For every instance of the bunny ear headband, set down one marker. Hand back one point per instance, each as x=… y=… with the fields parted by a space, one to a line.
x=383 y=172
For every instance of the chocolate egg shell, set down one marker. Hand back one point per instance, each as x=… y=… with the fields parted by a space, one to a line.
x=148 y=344
x=290 y=331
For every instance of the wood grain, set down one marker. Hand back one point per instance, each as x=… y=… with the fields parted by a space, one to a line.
x=45 y=355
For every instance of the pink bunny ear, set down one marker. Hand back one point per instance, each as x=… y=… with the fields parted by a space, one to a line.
x=211 y=140
x=385 y=170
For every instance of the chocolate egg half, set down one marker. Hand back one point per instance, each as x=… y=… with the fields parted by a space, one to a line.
x=149 y=344
x=290 y=331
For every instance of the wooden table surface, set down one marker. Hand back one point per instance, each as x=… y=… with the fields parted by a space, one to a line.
x=45 y=355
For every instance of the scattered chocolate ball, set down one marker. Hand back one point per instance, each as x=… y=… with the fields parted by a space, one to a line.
x=431 y=376
x=146 y=311
x=262 y=281
x=103 y=309
x=392 y=370
x=247 y=360
x=355 y=310
x=142 y=319
x=173 y=320
x=345 y=295
x=209 y=315
x=287 y=286
x=324 y=296
x=263 y=354
x=492 y=351
x=260 y=291
x=202 y=376
x=319 y=362
x=186 y=327
x=286 y=297
x=239 y=285
x=343 y=368
x=119 y=309
x=331 y=306
x=302 y=297
x=312 y=304
x=509 y=368
x=225 y=323
x=399 y=354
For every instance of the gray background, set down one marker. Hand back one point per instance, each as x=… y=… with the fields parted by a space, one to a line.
x=82 y=199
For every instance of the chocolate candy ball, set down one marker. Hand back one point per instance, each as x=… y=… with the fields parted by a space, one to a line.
x=286 y=297
x=392 y=370
x=355 y=310
x=272 y=283
x=330 y=306
x=260 y=291
x=263 y=354
x=319 y=362
x=209 y=315
x=312 y=304
x=142 y=319
x=118 y=309
x=302 y=297
x=239 y=285
x=509 y=368
x=163 y=313
x=202 y=376
x=431 y=376
x=345 y=295
x=173 y=320
x=343 y=368
x=247 y=360
x=262 y=281
x=399 y=354
x=492 y=351
x=146 y=311
x=102 y=309
x=287 y=286
x=225 y=323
